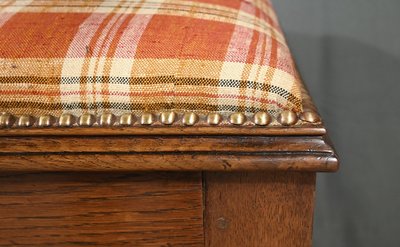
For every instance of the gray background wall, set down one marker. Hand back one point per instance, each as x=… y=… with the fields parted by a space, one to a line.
x=348 y=52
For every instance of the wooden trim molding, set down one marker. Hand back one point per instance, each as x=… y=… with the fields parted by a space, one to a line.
x=128 y=162
x=166 y=153
x=167 y=130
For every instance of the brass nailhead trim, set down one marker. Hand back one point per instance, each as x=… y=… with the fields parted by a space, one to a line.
x=190 y=118
x=167 y=117
x=46 y=121
x=86 y=120
x=66 y=120
x=214 y=118
x=310 y=116
x=237 y=118
x=262 y=118
x=287 y=118
x=25 y=121
x=127 y=119
x=147 y=118
x=107 y=119
x=6 y=120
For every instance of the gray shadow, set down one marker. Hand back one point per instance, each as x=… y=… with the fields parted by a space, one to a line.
x=357 y=90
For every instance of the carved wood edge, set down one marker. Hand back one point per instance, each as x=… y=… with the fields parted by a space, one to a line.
x=166 y=153
x=307 y=129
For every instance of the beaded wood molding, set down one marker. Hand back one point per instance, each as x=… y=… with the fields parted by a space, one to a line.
x=166 y=118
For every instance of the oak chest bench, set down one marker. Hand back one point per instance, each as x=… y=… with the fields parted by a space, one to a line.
x=154 y=123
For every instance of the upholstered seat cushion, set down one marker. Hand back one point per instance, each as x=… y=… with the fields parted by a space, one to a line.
x=116 y=57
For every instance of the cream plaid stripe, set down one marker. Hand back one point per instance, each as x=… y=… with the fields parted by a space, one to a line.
x=253 y=72
x=126 y=48
x=7 y=10
x=237 y=52
x=79 y=47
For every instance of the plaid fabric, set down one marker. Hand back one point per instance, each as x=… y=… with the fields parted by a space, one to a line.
x=144 y=55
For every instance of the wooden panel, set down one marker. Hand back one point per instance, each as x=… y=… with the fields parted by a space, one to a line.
x=100 y=209
x=259 y=209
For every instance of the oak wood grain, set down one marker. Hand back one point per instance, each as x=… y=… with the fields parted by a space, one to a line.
x=101 y=209
x=171 y=152
x=210 y=161
x=68 y=144
x=259 y=209
x=306 y=129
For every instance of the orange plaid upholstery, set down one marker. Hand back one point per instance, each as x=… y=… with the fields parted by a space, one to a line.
x=130 y=56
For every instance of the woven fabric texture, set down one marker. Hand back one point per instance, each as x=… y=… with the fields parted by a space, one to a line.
x=144 y=55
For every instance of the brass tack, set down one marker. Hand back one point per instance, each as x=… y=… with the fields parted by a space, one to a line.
x=167 y=117
x=46 y=121
x=25 y=121
x=237 y=118
x=214 y=118
x=66 y=120
x=147 y=118
x=6 y=120
x=86 y=120
x=127 y=119
x=287 y=118
x=190 y=118
x=262 y=118
x=310 y=116
x=106 y=119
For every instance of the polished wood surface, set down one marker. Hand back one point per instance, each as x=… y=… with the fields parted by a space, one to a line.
x=101 y=209
x=173 y=153
x=214 y=209
x=123 y=162
x=151 y=144
x=306 y=129
x=259 y=209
